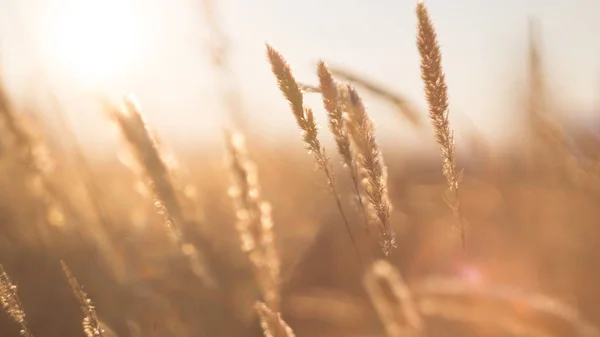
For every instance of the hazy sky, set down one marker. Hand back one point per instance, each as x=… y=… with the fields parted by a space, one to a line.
x=155 y=48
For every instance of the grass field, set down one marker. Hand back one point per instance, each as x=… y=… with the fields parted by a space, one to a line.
x=303 y=237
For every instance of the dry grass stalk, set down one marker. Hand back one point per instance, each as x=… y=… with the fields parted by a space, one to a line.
x=11 y=302
x=402 y=103
x=452 y=311
x=136 y=131
x=536 y=81
x=33 y=156
x=398 y=314
x=434 y=287
x=137 y=134
x=254 y=224
x=305 y=120
x=550 y=146
x=218 y=47
x=436 y=93
x=303 y=115
x=544 y=132
x=91 y=323
x=372 y=168
x=331 y=100
x=271 y=322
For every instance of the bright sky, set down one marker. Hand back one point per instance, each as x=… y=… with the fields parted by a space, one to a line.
x=155 y=48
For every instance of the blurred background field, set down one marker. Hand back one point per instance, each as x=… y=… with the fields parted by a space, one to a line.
x=524 y=87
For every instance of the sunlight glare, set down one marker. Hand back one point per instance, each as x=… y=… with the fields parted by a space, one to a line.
x=94 y=41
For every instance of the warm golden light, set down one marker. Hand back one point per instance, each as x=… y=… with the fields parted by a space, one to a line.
x=93 y=40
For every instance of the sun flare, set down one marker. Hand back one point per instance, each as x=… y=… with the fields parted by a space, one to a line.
x=93 y=41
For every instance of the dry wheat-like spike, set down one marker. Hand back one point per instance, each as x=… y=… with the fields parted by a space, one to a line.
x=34 y=157
x=305 y=119
x=331 y=100
x=440 y=286
x=219 y=50
x=543 y=130
x=436 y=93
x=91 y=323
x=536 y=75
x=372 y=167
x=450 y=310
x=549 y=139
x=304 y=115
x=399 y=314
x=271 y=322
x=144 y=146
x=11 y=302
x=254 y=222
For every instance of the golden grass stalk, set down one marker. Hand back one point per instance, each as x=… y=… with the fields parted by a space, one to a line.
x=372 y=167
x=332 y=103
x=543 y=131
x=11 y=302
x=90 y=323
x=550 y=146
x=144 y=147
x=33 y=158
x=399 y=314
x=254 y=225
x=271 y=322
x=535 y=74
x=218 y=48
x=303 y=115
x=137 y=133
x=305 y=120
x=436 y=93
